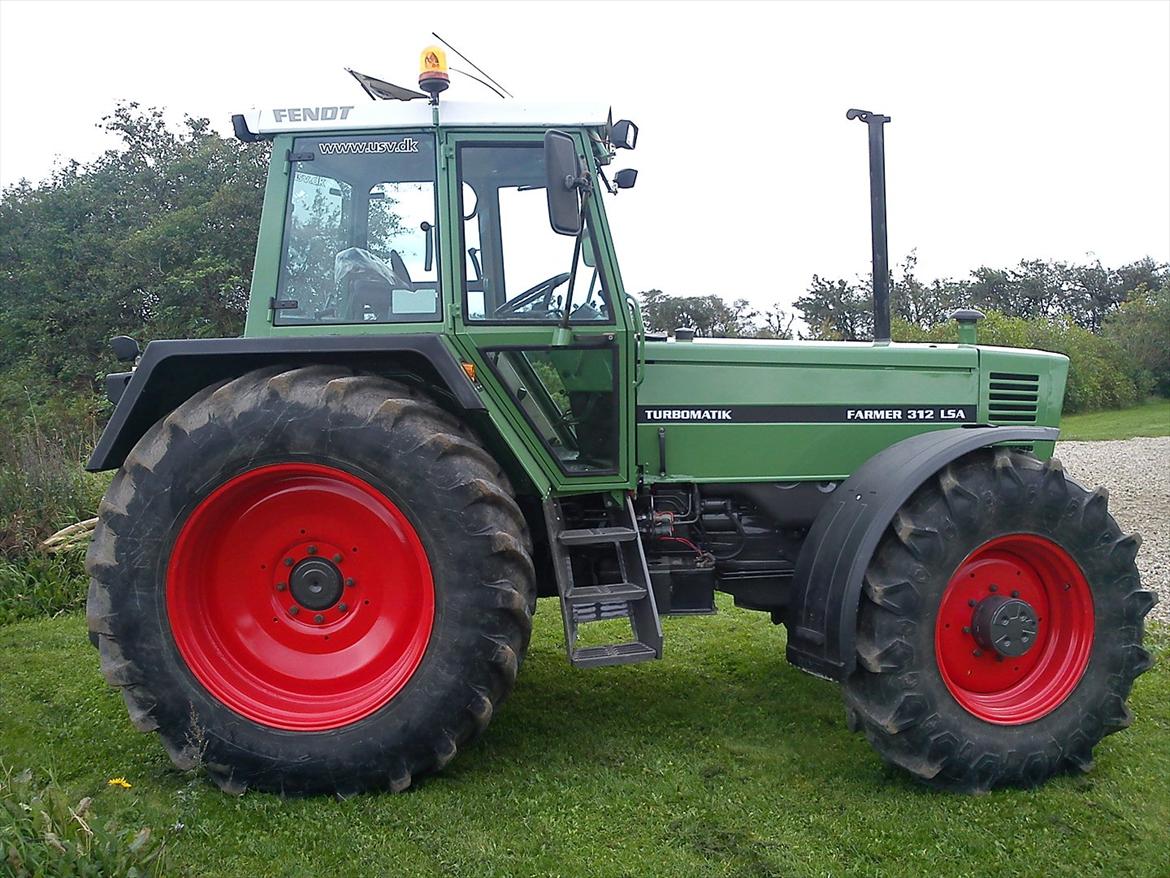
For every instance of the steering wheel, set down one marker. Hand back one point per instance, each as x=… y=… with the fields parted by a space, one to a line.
x=400 y=272
x=543 y=289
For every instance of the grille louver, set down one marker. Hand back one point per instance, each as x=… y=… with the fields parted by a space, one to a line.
x=1012 y=398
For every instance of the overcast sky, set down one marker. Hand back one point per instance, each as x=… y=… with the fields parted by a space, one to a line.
x=1020 y=130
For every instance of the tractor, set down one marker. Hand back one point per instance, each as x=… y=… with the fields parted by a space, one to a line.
x=316 y=567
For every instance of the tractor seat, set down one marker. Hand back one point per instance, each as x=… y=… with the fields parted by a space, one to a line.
x=370 y=300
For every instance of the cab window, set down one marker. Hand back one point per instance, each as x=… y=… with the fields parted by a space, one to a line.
x=359 y=236
x=519 y=270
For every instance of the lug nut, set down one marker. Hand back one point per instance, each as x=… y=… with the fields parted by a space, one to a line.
x=312 y=550
x=977 y=653
x=337 y=558
x=292 y=611
x=280 y=586
x=993 y=587
x=341 y=608
x=971 y=602
x=1015 y=592
x=966 y=629
x=288 y=562
x=318 y=618
x=349 y=582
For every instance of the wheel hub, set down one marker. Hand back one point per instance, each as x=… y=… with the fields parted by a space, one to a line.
x=1014 y=629
x=316 y=583
x=300 y=596
x=1006 y=625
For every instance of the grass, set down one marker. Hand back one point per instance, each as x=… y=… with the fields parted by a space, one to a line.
x=719 y=760
x=1151 y=418
x=38 y=584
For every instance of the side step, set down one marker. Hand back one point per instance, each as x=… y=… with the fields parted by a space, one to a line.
x=597 y=536
x=631 y=599
x=618 y=654
x=595 y=594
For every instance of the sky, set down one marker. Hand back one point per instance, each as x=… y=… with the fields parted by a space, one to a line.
x=1020 y=130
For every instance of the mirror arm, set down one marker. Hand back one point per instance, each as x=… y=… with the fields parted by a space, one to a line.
x=586 y=191
x=609 y=187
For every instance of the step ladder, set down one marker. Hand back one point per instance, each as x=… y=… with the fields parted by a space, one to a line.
x=632 y=598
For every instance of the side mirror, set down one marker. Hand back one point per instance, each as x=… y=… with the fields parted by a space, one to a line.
x=624 y=134
x=625 y=178
x=563 y=166
x=125 y=348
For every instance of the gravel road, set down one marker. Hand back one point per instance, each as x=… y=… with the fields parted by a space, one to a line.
x=1136 y=472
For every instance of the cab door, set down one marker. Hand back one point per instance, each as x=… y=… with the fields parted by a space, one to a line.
x=562 y=386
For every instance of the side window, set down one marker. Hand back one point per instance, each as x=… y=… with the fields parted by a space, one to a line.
x=317 y=229
x=401 y=226
x=359 y=235
x=522 y=270
x=473 y=264
x=568 y=396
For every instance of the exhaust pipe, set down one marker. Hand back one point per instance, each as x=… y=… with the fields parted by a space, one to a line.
x=877 y=219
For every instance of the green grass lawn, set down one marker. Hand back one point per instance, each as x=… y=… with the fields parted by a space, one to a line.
x=1151 y=418
x=719 y=760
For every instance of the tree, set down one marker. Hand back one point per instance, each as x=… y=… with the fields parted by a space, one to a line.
x=155 y=238
x=1141 y=328
x=709 y=316
x=775 y=323
x=837 y=310
x=917 y=303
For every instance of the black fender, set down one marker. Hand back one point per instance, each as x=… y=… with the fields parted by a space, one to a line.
x=170 y=372
x=822 y=618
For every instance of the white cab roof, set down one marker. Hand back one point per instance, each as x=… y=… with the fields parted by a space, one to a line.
x=366 y=114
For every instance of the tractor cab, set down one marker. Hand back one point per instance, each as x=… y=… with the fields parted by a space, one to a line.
x=480 y=223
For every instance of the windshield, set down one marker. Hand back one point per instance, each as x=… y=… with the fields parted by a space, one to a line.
x=359 y=234
x=516 y=267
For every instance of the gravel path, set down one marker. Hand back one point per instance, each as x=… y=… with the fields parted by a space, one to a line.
x=1136 y=472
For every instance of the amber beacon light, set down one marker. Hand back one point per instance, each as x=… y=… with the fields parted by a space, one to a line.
x=432 y=71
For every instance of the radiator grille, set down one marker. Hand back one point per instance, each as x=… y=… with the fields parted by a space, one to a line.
x=1012 y=397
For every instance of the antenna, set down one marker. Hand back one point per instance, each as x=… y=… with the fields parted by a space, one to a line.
x=473 y=64
x=480 y=81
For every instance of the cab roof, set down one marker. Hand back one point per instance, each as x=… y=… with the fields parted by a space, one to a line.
x=381 y=115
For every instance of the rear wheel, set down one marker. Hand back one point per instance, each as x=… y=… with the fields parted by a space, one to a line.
x=308 y=580
x=1000 y=627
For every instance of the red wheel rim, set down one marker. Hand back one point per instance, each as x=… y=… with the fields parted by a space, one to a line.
x=253 y=557
x=1005 y=689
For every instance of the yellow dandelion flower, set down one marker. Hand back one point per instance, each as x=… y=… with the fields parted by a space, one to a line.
x=118 y=782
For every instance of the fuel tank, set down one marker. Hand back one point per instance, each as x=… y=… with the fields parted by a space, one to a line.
x=755 y=410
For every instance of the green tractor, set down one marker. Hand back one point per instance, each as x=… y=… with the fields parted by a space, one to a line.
x=316 y=567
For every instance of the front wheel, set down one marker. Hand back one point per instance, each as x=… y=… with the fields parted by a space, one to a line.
x=1000 y=627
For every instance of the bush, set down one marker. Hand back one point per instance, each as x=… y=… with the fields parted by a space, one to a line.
x=43 y=833
x=1101 y=372
x=43 y=486
x=1141 y=328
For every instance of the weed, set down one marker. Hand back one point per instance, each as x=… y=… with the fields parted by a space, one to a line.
x=43 y=833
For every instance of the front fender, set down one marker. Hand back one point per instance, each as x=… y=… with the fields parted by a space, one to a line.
x=170 y=372
x=822 y=619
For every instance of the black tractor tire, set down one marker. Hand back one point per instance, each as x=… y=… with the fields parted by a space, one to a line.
x=899 y=694
x=404 y=448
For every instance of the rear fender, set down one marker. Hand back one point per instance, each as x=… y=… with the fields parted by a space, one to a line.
x=170 y=372
x=822 y=619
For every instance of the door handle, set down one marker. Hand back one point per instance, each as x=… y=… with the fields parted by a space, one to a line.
x=640 y=335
